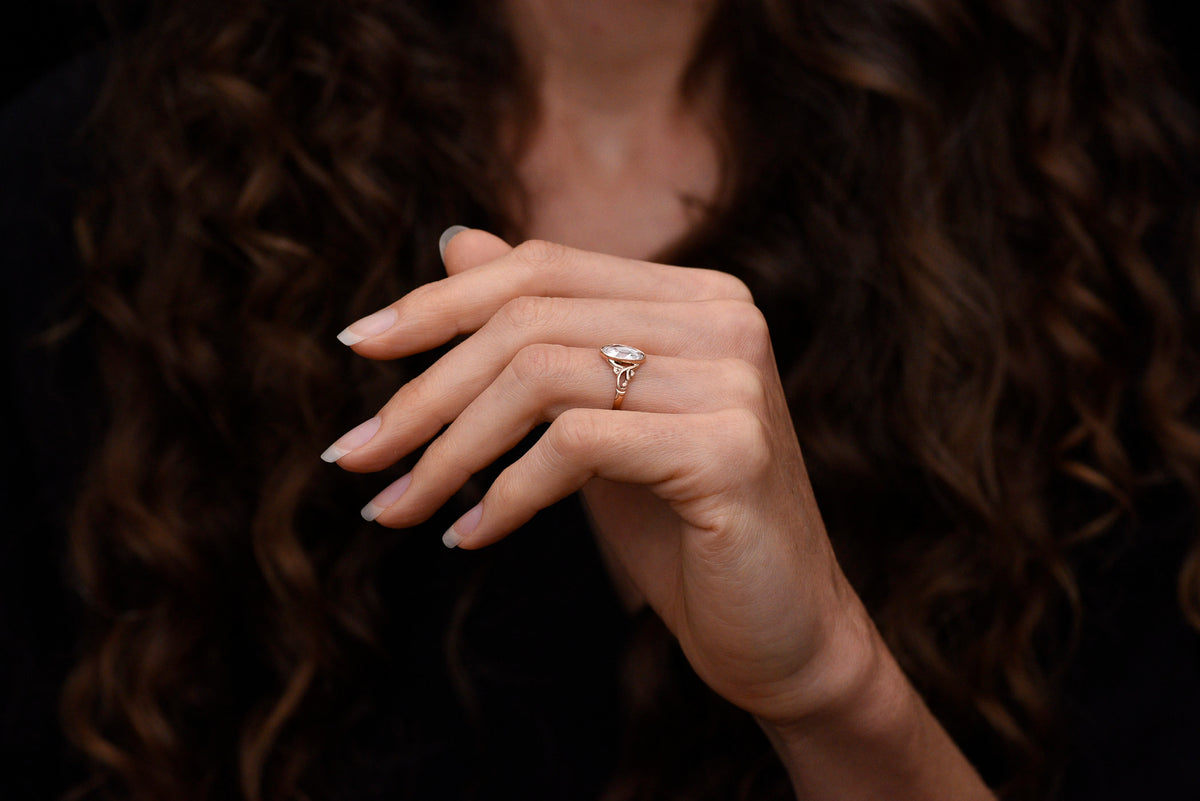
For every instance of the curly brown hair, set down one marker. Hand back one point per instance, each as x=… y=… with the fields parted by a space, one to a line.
x=969 y=223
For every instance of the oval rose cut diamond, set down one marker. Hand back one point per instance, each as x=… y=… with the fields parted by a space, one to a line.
x=623 y=353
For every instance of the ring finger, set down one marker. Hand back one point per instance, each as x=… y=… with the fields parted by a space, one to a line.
x=421 y=407
x=538 y=385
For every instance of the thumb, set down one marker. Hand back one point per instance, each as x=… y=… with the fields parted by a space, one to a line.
x=465 y=248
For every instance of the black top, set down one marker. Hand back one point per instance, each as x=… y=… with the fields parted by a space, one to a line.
x=1134 y=688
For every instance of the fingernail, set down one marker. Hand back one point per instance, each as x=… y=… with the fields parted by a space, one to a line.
x=386 y=498
x=368 y=326
x=465 y=525
x=354 y=438
x=447 y=235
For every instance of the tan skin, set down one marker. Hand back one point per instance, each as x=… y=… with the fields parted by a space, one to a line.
x=697 y=485
x=616 y=152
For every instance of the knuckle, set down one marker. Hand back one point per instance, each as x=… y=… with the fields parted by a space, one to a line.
x=574 y=433
x=442 y=467
x=505 y=490
x=418 y=395
x=539 y=364
x=744 y=439
x=746 y=327
x=528 y=312
x=539 y=253
x=725 y=285
x=744 y=383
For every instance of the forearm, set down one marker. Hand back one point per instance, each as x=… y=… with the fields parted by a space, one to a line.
x=883 y=743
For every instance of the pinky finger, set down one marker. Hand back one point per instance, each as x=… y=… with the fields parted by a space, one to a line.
x=666 y=452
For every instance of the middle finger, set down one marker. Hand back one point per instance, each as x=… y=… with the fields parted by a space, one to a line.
x=541 y=383
x=715 y=329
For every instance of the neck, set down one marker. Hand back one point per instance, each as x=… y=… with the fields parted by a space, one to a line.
x=616 y=155
x=615 y=58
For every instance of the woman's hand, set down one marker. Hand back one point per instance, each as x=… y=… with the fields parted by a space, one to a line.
x=696 y=485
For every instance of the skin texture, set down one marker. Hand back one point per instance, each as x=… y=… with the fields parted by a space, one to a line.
x=617 y=160
x=697 y=486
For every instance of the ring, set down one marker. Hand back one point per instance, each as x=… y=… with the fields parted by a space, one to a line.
x=624 y=360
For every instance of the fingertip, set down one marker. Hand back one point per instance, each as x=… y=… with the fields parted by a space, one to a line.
x=369 y=326
x=466 y=248
x=447 y=235
x=462 y=528
x=392 y=493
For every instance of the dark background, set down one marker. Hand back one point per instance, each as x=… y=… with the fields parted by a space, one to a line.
x=38 y=35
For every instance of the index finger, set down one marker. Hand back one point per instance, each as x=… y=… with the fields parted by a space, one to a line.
x=461 y=303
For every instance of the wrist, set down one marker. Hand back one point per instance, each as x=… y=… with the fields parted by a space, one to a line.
x=869 y=735
x=853 y=683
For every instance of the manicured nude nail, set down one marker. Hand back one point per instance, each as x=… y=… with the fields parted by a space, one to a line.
x=368 y=326
x=386 y=498
x=447 y=235
x=354 y=438
x=465 y=525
